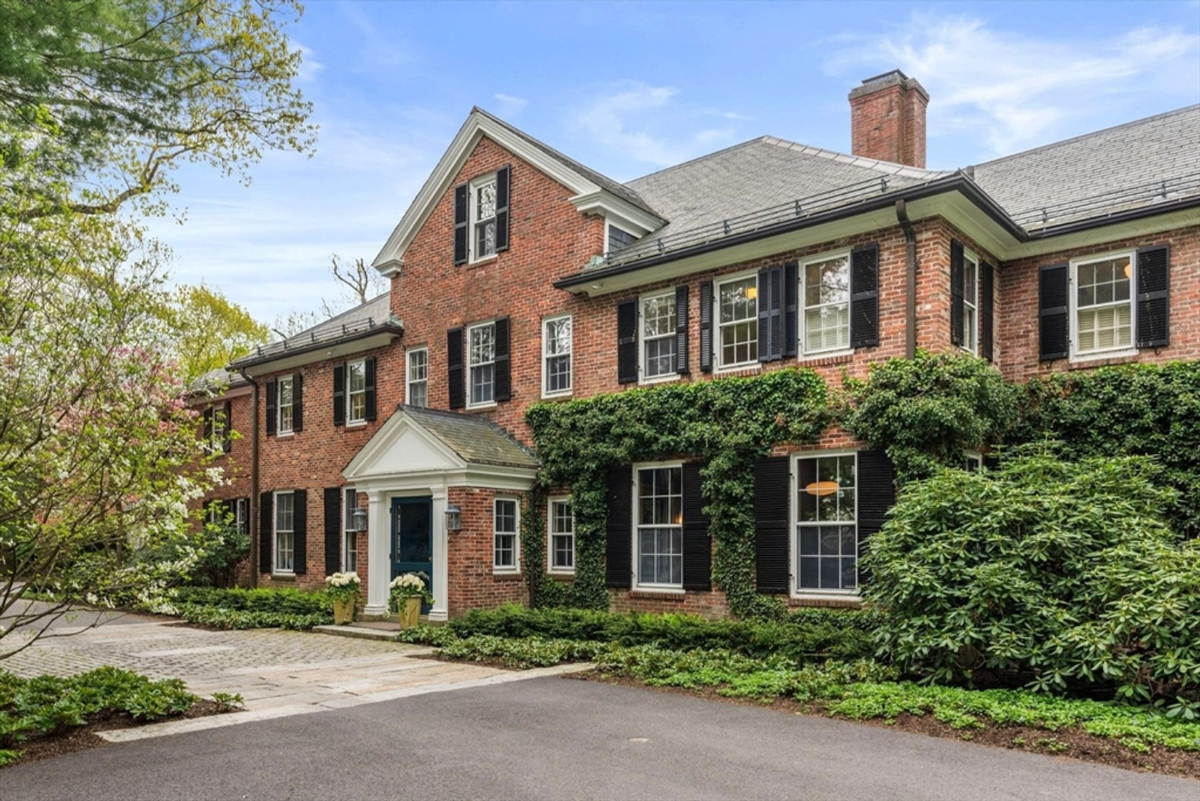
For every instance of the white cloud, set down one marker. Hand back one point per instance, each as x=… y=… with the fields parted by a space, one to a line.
x=630 y=119
x=509 y=106
x=1016 y=91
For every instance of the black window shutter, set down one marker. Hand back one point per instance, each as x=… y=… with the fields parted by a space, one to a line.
x=454 y=367
x=227 y=427
x=770 y=314
x=1053 y=312
x=1154 y=297
x=339 y=394
x=791 y=309
x=503 y=179
x=460 y=224
x=987 y=310
x=208 y=425
x=864 y=296
x=706 y=325
x=300 y=531
x=618 y=542
x=369 y=369
x=627 y=346
x=297 y=403
x=771 y=492
x=681 y=329
x=697 y=545
x=266 y=526
x=956 y=292
x=271 y=408
x=876 y=494
x=333 y=530
x=503 y=385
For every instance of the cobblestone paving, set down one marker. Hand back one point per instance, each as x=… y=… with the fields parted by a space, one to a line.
x=269 y=668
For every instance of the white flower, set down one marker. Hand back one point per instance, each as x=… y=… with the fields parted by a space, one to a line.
x=408 y=580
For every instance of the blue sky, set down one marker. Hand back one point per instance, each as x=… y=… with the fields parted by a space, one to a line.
x=631 y=88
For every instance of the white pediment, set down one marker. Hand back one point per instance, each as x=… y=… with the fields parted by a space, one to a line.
x=401 y=446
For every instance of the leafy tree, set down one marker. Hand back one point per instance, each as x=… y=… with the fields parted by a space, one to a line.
x=207 y=330
x=99 y=453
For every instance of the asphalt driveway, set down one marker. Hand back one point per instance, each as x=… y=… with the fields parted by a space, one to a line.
x=558 y=738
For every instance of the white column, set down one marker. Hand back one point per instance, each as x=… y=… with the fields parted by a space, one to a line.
x=379 y=553
x=441 y=559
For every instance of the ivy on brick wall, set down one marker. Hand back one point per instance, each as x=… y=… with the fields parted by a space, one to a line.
x=727 y=422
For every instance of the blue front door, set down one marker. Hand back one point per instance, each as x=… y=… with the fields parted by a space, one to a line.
x=412 y=538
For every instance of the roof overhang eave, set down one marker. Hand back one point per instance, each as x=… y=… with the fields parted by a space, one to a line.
x=388 y=330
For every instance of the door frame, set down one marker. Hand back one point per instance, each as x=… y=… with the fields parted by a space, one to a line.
x=396 y=502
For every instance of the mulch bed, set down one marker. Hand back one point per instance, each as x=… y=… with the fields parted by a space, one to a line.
x=85 y=737
x=1073 y=743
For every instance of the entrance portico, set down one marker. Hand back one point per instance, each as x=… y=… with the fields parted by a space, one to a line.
x=408 y=470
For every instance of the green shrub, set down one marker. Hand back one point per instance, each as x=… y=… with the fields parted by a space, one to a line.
x=222 y=618
x=1061 y=571
x=520 y=653
x=285 y=601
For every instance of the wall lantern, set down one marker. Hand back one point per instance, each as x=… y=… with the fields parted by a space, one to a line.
x=453 y=518
x=358 y=520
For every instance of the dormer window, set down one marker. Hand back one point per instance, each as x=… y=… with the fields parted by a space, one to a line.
x=617 y=238
x=483 y=217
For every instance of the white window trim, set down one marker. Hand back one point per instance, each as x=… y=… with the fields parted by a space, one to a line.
x=801 y=347
x=347 y=534
x=279 y=432
x=473 y=216
x=610 y=224
x=1073 y=308
x=241 y=515
x=516 y=566
x=973 y=456
x=794 y=525
x=716 y=321
x=550 y=534
x=973 y=257
x=641 y=339
x=275 y=569
x=635 y=580
x=486 y=404
x=560 y=393
x=408 y=382
x=350 y=422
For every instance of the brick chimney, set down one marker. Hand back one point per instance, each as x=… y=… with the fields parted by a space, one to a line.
x=887 y=119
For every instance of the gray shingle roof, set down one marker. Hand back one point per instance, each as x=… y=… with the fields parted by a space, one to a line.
x=623 y=191
x=359 y=320
x=475 y=439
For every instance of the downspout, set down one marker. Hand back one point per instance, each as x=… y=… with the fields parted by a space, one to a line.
x=255 y=516
x=910 y=280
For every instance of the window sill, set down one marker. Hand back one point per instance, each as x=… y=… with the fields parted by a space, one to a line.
x=749 y=368
x=826 y=359
x=283 y=577
x=482 y=262
x=357 y=424
x=658 y=593
x=826 y=599
x=659 y=379
x=286 y=435
x=1109 y=356
x=558 y=395
x=482 y=407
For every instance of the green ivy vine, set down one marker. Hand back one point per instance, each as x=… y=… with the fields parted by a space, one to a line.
x=728 y=422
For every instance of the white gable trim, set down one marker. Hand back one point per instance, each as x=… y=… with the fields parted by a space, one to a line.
x=369 y=462
x=391 y=257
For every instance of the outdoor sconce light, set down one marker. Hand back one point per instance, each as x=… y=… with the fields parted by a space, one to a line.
x=358 y=519
x=453 y=518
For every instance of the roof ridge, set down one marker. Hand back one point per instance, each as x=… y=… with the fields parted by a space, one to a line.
x=1049 y=145
x=888 y=167
x=697 y=158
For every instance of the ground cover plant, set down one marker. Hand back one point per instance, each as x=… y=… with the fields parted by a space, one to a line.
x=33 y=710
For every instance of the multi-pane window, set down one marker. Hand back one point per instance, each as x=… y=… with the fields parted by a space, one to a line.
x=737 y=321
x=418 y=377
x=483 y=215
x=618 y=239
x=562 y=536
x=826 y=292
x=556 y=356
x=970 y=316
x=1103 y=304
x=285 y=537
x=241 y=515
x=659 y=534
x=505 y=541
x=286 y=404
x=659 y=356
x=482 y=340
x=826 y=528
x=356 y=392
x=350 y=552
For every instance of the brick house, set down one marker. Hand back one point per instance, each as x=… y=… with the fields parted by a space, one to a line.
x=392 y=438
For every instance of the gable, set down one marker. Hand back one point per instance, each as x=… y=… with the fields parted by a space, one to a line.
x=399 y=447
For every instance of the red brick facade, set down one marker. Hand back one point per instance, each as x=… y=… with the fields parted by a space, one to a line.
x=550 y=239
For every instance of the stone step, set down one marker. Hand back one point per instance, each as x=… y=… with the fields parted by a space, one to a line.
x=373 y=632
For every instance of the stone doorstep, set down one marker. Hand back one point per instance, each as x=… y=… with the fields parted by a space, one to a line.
x=369 y=632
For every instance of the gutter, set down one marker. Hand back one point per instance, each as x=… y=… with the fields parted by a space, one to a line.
x=382 y=328
x=255 y=516
x=910 y=280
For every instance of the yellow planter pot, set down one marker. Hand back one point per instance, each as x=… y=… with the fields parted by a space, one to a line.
x=343 y=611
x=410 y=613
